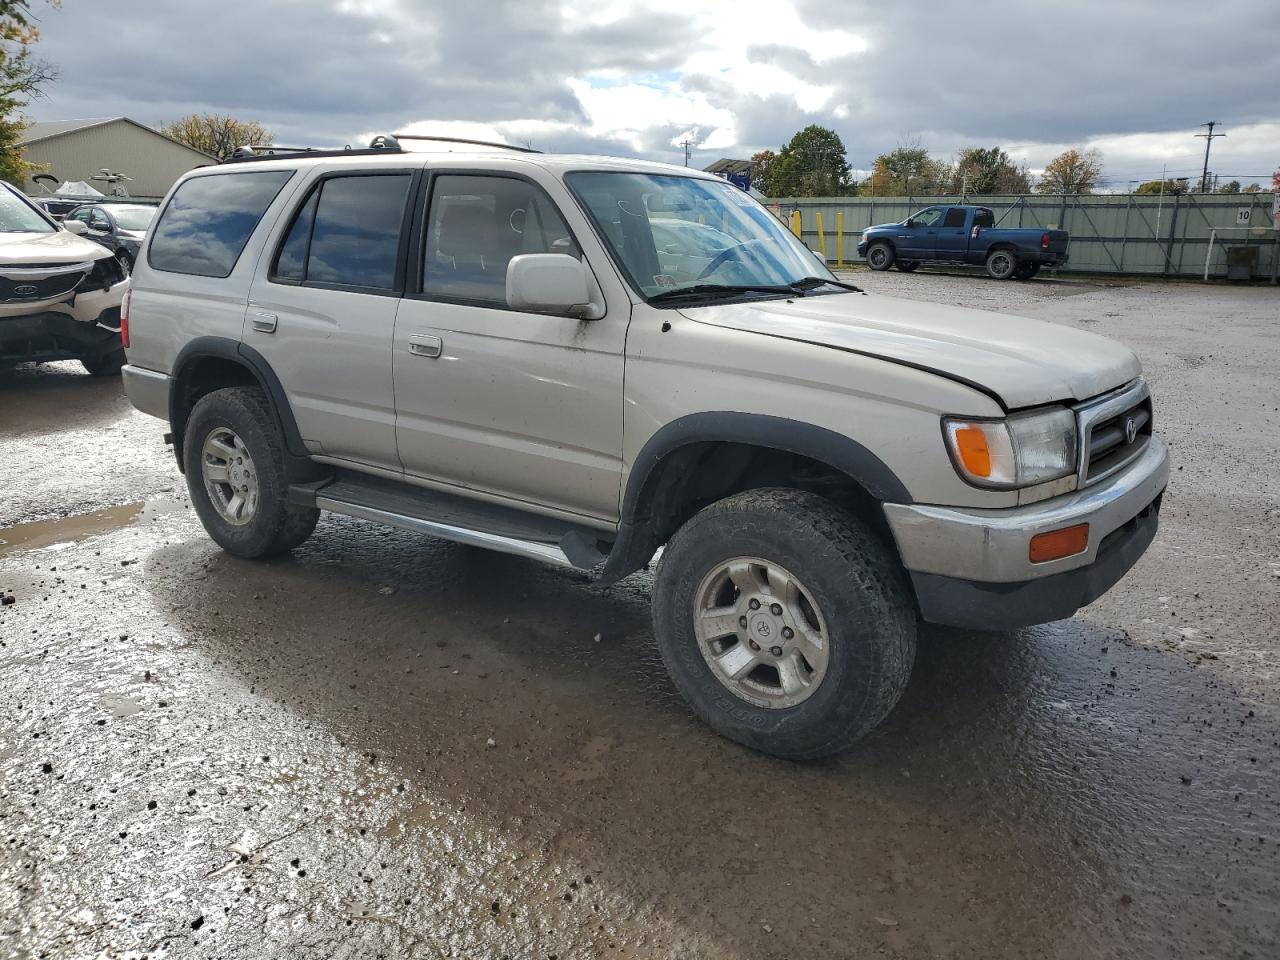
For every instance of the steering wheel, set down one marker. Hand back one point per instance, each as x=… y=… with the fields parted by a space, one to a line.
x=724 y=256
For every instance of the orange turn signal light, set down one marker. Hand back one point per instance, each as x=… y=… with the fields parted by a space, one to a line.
x=971 y=444
x=1056 y=544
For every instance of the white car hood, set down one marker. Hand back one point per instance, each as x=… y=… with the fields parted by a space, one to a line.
x=60 y=246
x=1023 y=362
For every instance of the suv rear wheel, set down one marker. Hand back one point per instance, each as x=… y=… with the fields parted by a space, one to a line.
x=234 y=459
x=784 y=622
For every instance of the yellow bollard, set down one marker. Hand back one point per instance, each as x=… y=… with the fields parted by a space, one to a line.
x=822 y=240
x=795 y=222
x=839 y=238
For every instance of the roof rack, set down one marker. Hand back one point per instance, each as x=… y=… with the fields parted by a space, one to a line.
x=275 y=151
x=475 y=143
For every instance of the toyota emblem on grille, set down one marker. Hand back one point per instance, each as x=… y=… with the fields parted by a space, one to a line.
x=1130 y=430
x=25 y=290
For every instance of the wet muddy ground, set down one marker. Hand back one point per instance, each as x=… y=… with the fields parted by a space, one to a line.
x=386 y=745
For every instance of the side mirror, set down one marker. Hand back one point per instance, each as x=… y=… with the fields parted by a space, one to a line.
x=551 y=283
x=908 y=222
x=77 y=227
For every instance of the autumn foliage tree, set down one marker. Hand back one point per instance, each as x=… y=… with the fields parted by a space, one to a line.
x=907 y=170
x=216 y=134
x=988 y=170
x=812 y=164
x=1072 y=171
x=22 y=79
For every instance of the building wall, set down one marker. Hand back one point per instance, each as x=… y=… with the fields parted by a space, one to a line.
x=154 y=162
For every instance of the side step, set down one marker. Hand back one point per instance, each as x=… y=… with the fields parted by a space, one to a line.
x=456 y=518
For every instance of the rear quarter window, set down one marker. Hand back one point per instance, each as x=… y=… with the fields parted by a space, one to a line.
x=209 y=219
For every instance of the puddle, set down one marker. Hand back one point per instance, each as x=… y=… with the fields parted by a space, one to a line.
x=56 y=534
x=120 y=705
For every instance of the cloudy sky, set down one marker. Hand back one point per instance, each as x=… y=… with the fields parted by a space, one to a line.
x=636 y=77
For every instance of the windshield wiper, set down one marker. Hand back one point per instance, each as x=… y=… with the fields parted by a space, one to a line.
x=707 y=290
x=810 y=283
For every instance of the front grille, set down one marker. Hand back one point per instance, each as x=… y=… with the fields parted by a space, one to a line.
x=1107 y=443
x=17 y=289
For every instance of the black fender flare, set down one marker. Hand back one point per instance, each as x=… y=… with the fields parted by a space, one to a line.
x=250 y=359
x=635 y=543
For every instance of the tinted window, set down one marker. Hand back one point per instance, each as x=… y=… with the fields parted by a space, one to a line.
x=98 y=220
x=983 y=217
x=209 y=220
x=955 y=217
x=355 y=234
x=291 y=263
x=476 y=225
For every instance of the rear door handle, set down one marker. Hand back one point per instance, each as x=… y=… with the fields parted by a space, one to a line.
x=265 y=322
x=424 y=345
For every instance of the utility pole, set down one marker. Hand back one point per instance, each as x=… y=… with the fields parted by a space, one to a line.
x=1208 y=142
x=686 y=143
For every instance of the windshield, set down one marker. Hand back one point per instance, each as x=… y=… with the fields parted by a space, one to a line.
x=133 y=218
x=670 y=233
x=16 y=216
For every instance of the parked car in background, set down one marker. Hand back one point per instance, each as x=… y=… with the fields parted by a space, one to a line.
x=954 y=234
x=60 y=293
x=119 y=227
x=56 y=207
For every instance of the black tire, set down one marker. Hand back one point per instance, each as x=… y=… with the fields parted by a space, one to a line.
x=107 y=365
x=854 y=580
x=880 y=256
x=1026 y=270
x=906 y=266
x=1002 y=264
x=276 y=525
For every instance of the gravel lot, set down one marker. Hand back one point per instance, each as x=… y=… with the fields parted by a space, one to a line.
x=203 y=757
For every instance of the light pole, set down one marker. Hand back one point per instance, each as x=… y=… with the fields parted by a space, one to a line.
x=1208 y=142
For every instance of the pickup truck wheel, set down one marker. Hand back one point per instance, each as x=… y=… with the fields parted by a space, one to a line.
x=784 y=622
x=107 y=365
x=1026 y=270
x=1001 y=264
x=880 y=256
x=234 y=457
x=906 y=266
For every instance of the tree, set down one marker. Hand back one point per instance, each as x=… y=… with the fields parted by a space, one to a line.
x=761 y=164
x=812 y=164
x=987 y=170
x=1252 y=188
x=22 y=79
x=1231 y=186
x=1161 y=186
x=907 y=170
x=1072 y=171
x=215 y=133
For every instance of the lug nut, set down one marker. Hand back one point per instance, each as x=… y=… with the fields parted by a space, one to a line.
x=776 y=651
x=742 y=622
x=776 y=610
x=754 y=604
x=787 y=633
x=753 y=645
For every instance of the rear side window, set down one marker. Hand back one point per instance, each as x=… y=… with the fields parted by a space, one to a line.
x=347 y=233
x=209 y=219
x=982 y=217
x=955 y=217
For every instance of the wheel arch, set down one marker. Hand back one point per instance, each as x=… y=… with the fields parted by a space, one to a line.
x=706 y=456
x=211 y=363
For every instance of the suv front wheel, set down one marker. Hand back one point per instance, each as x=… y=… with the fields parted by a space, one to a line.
x=234 y=460
x=784 y=622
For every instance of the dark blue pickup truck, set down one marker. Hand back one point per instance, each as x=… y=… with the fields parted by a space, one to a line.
x=963 y=234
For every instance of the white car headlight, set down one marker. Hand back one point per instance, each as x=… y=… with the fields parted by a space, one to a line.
x=1020 y=451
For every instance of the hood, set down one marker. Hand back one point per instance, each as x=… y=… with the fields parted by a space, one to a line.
x=1022 y=362
x=61 y=246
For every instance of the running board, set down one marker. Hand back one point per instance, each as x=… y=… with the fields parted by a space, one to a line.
x=460 y=519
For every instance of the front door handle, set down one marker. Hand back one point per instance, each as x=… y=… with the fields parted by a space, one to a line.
x=424 y=345
x=265 y=322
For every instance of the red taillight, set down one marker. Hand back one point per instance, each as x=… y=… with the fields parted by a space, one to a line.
x=1044 y=242
x=124 y=318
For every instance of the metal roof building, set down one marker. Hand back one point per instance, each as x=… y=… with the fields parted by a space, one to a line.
x=81 y=149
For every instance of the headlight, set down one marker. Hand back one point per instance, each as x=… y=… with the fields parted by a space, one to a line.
x=1025 y=449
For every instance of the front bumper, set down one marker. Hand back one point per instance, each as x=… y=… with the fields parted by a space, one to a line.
x=53 y=335
x=972 y=567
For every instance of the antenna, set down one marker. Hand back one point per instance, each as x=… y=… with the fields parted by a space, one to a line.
x=1208 y=142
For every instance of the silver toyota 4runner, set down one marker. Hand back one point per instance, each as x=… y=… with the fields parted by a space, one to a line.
x=583 y=360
